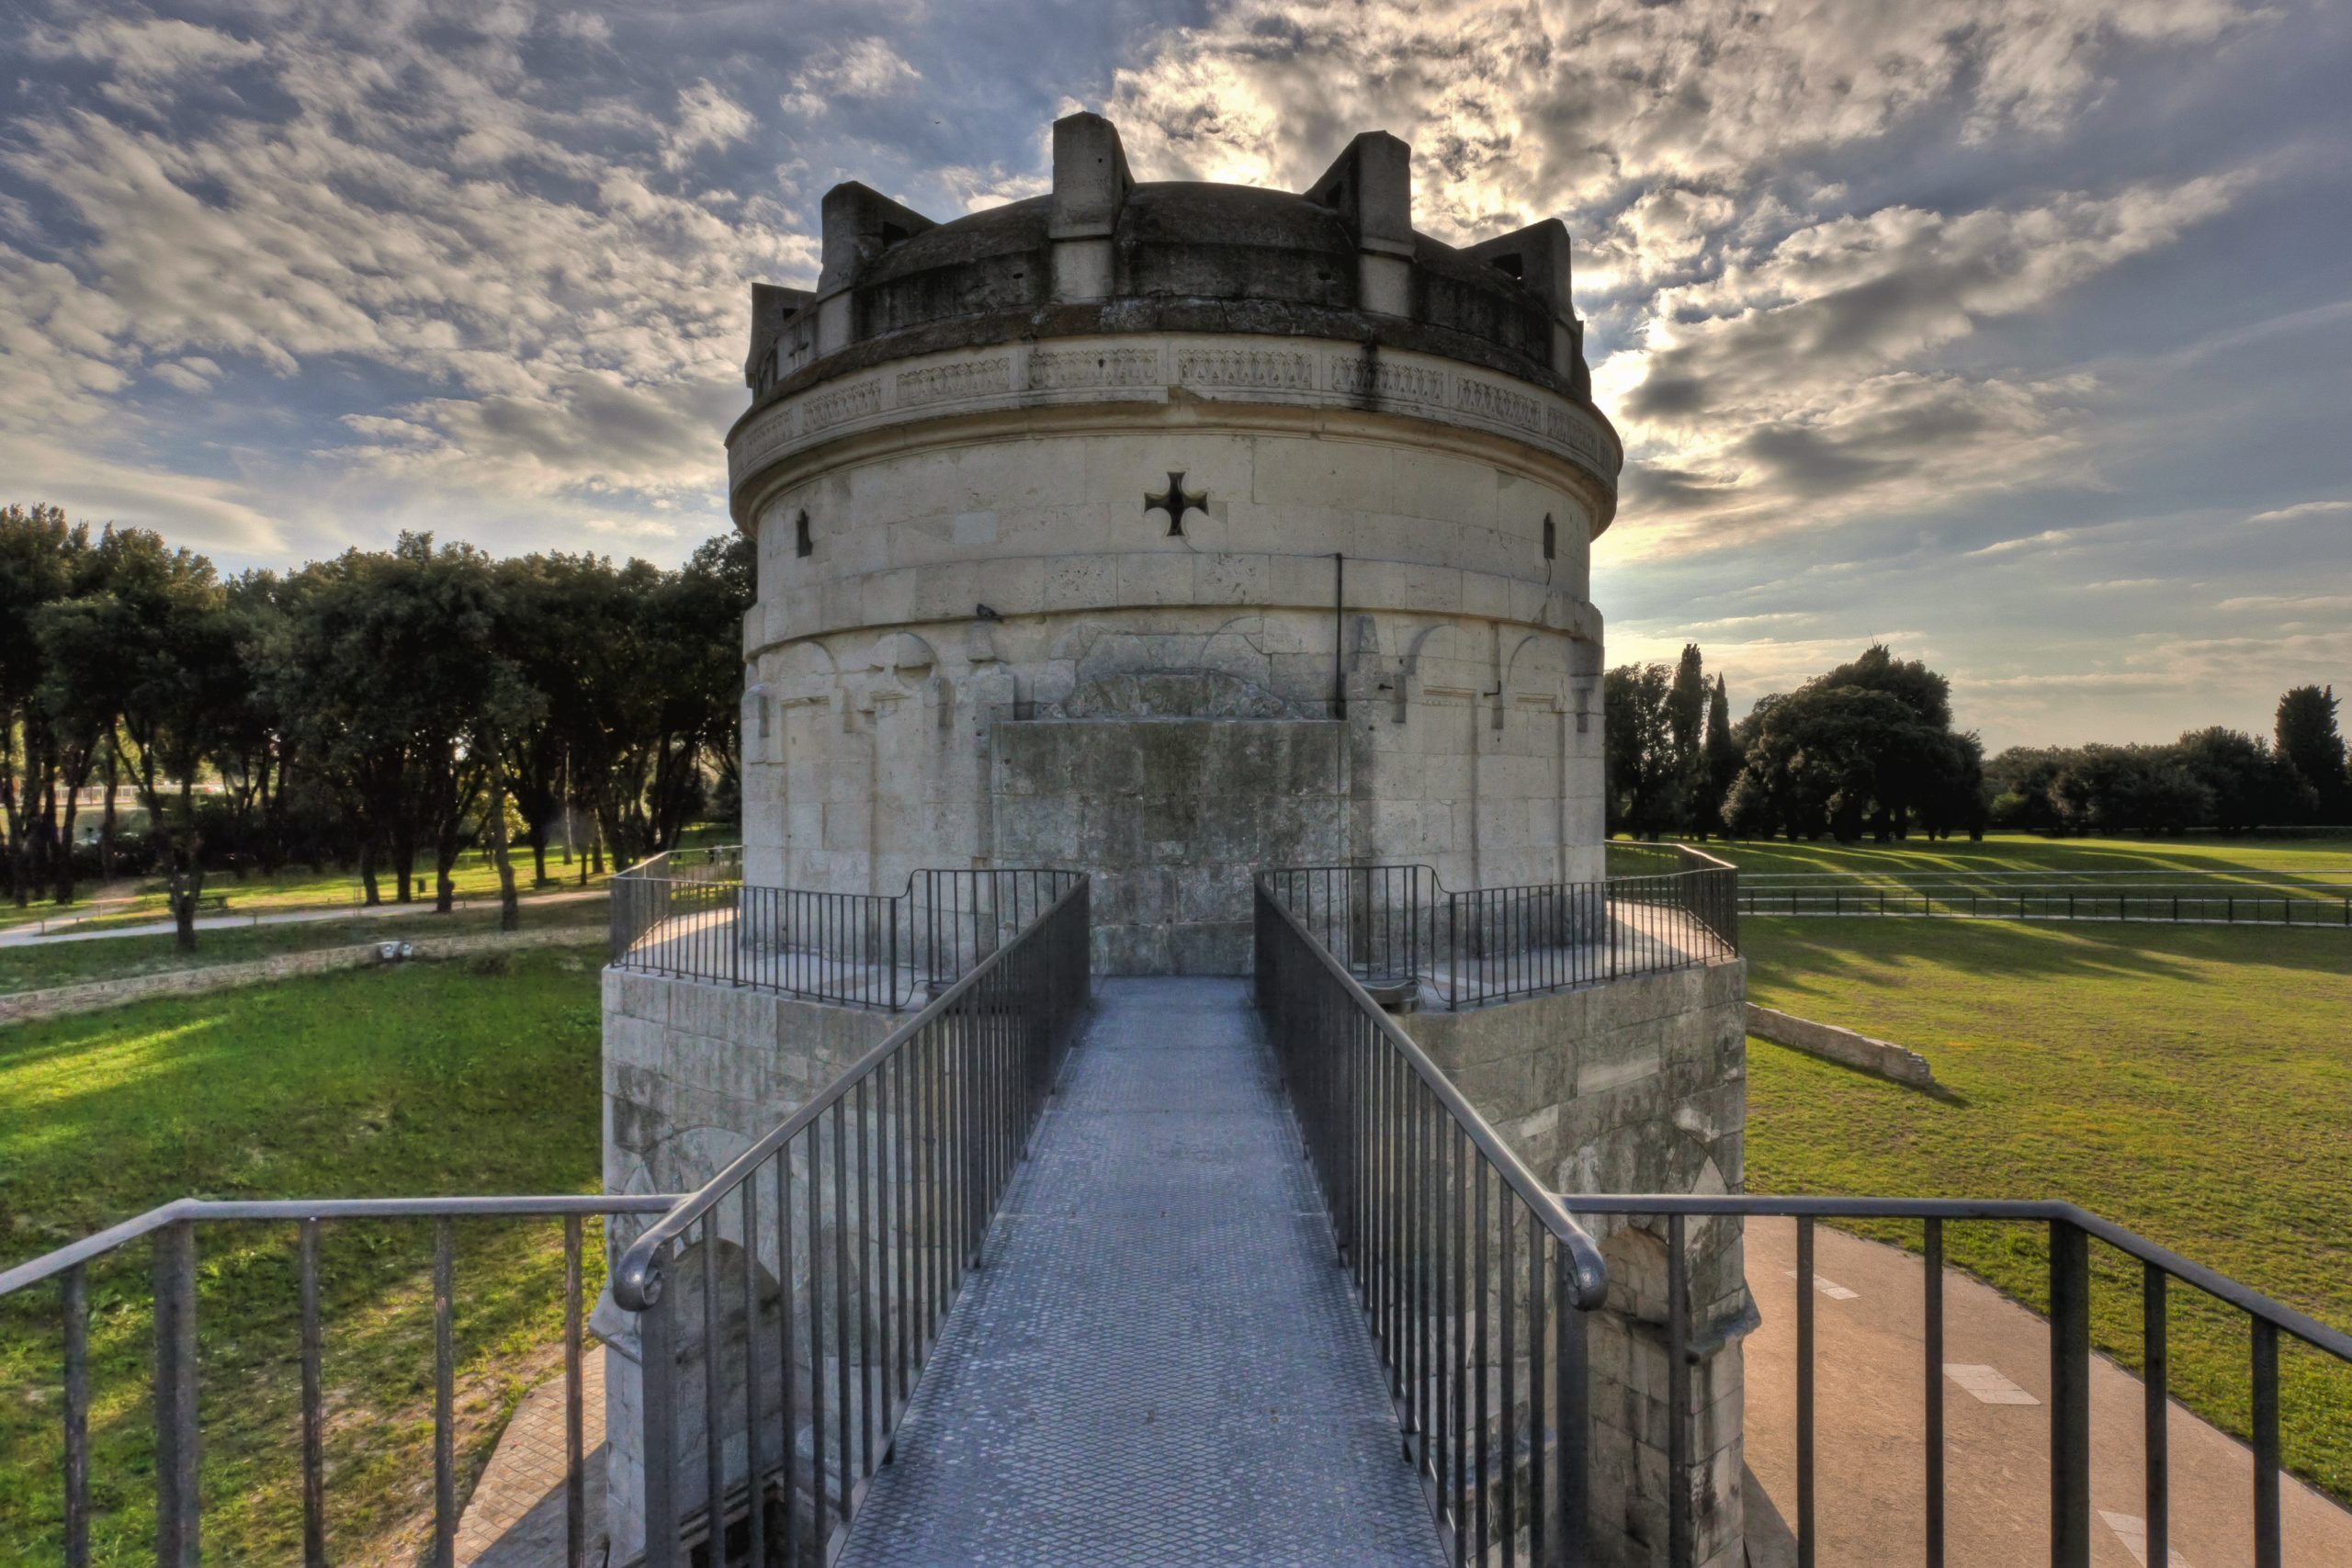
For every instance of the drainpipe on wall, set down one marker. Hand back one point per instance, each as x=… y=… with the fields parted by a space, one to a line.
x=1338 y=635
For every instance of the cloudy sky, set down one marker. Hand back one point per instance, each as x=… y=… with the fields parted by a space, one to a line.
x=2015 y=332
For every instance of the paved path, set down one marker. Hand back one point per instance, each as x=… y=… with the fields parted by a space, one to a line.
x=516 y=1517
x=1869 y=1349
x=286 y=918
x=1160 y=1361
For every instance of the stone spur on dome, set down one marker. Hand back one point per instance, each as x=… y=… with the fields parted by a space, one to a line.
x=1105 y=253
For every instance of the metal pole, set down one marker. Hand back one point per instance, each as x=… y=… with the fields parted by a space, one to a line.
x=177 y=1506
x=2070 y=1391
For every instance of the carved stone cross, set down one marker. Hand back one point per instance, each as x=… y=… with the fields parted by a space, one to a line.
x=1176 y=500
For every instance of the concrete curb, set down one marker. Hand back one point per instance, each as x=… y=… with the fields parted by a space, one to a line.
x=58 y=1001
x=1842 y=1046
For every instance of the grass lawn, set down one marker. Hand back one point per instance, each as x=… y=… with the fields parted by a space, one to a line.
x=428 y=1078
x=2191 y=1083
x=33 y=967
x=2016 y=851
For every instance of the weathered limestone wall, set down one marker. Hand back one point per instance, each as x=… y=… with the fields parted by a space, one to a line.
x=969 y=573
x=693 y=1076
x=1178 y=814
x=1638 y=1085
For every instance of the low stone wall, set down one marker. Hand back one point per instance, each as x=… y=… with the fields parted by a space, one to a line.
x=1836 y=1045
x=695 y=1074
x=1637 y=1085
x=59 y=1000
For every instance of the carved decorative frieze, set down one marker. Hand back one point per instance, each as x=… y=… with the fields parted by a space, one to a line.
x=842 y=404
x=1388 y=380
x=953 y=382
x=1485 y=399
x=1330 y=373
x=1054 y=368
x=1265 y=369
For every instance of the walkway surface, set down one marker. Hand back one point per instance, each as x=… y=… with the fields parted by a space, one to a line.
x=1160 y=1361
x=516 y=1517
x=37 y=936
x=1869 y=1437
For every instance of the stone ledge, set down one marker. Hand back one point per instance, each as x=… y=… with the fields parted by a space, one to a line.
x=1840 y=1045
x=58 y=1001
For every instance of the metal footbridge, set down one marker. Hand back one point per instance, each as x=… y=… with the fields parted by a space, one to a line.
x=1158 y=1361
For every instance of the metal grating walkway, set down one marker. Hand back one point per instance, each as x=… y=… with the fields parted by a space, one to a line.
x=1161 y=1361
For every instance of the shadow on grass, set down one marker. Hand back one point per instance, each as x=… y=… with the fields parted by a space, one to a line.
x=2005 y=951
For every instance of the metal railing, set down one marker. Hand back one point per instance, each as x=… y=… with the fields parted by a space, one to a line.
x=2070 y=1233
x=839 y=1241
x=2139 y=899
x=1398 y=927
x=1464 y=1264
x=173 y=1233
x=695 y=918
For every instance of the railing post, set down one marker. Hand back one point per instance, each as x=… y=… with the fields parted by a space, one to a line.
x=177 y=1506
x=658 y=1367
x=2070 y=1395
x=1572 y=1398
x=2268 y=1544
x=74 y=1303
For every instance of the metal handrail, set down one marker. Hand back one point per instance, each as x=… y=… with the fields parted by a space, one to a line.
x=881 y=950
x=1399 y=924
x=939 y=1115
x=637 y=1283
x=2071 y=1230
x=173 y=1228
x=1406 y=1168
x=1592 y=1269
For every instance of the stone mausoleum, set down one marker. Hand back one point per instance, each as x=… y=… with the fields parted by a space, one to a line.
x=1166 y=530
x=1169 y=530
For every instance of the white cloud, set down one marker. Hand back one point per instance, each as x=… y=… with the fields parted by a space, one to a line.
x=861 y=69
x=706 y=118
x=2302 y=508
x=2042 y=540
x=632 y=527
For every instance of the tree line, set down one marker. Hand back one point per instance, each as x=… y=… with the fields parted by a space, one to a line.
x=386 y=709
x=1868 y=749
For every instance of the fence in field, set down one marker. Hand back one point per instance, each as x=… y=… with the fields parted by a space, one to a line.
x=2169 y=898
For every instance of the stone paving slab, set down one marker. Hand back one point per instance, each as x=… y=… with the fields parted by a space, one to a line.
x=1160 y=1361
x=516 y=1517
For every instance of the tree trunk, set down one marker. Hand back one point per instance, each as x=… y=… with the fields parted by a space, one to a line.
x=106 y=823
x=187 y=885
x=404 y=860
x=19 y=881
x=510 y=912
x=66 y=849
x=445 y=859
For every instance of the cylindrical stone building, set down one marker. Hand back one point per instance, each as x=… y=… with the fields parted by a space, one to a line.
x=1166 y=531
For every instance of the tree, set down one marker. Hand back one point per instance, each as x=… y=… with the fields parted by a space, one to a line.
x=1637 y=751
x=2312 y=748
x=41 y=558
x=154 y=644
x=1867 y=747
x=1719 y=763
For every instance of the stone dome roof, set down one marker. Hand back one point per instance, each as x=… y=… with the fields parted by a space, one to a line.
x=1105 y=253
